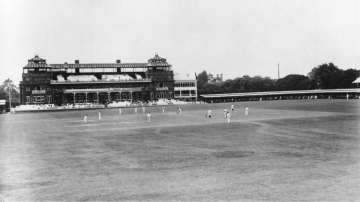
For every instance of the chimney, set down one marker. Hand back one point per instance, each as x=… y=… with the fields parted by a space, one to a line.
x=76 y=61
x=118 y=61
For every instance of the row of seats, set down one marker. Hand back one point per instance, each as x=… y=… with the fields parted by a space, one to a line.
x=115 y=77
x=82 y=78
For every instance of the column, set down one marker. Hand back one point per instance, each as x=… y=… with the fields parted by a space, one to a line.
x=86 y=97
x=131 y=95
x=97 y=97
x=109 y=96
x=74 y=97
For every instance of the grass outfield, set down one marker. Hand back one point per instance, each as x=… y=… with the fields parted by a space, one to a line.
x=304 y=150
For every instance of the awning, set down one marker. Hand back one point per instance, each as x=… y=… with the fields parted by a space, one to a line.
x=278 y=93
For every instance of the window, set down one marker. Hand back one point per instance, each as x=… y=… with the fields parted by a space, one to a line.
x=70 y=70
x=109 y=69
x=38 y=99
x=28 y=100
x=27 y=89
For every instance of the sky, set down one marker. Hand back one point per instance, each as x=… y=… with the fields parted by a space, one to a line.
x=236 y=38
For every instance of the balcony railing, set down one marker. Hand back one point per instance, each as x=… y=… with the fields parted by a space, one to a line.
x=162 y=88
x=101 y=81
x=38 y=92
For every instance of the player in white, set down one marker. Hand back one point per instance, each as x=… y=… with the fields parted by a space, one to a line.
x=347 y=96
x=163 y=109
x=209 y=114
x=232 y=108
x=99 y=115
x=228 y=117
x=225 y=112
x=179 y=110
x=143 y=110
x=148 y=117
x=246 y=111
x=135 y=110
x=85 y=118
x=120 y=112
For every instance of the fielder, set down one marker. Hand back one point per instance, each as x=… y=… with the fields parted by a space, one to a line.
x=148 y=117
x=209 y=114
x=179 y=110
x=225 y=113
x=85 y=118
x=99 y=115
x=228 y=117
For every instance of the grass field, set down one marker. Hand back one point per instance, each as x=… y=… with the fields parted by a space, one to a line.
x=305 y=150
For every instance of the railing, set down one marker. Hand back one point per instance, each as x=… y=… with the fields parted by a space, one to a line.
x=185 y=88
x=162 y=88
x=38 y=92
x=101 y=81
x=103 y=90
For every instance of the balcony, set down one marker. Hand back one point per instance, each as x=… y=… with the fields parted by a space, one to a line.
x=162 y=88
x=37 y=92
x=100 y=81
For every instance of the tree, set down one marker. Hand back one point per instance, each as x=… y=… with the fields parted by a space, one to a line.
x=326 y=76
x=202 y=79
x=7 y=86
x=349 y=76
x=330 y=76
x=238 y=85
x=293 y=82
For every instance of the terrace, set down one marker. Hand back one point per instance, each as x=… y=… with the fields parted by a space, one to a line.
x=85 y=79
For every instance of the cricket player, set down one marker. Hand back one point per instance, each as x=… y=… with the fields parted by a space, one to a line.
x=246 y=111
x=163 y=109
x=143 y=110
x=179 y=110
x=225 y=112
x=232 y=108
x=135 y=110
x=85 y=118
x=120 y=112
x=209 y=114
x=148 y=117
x=99 y=115
x=228 y=117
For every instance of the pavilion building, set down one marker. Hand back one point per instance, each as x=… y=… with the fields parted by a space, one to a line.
x=70 y=83
x=185 y=87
